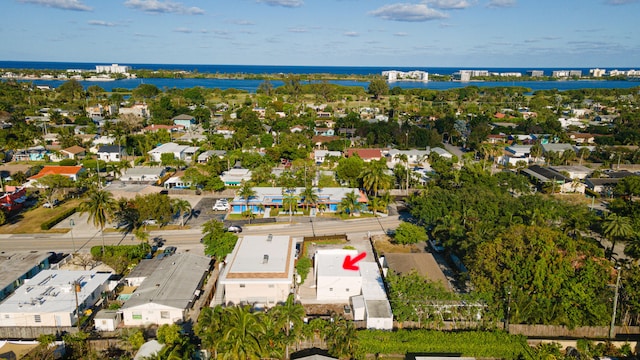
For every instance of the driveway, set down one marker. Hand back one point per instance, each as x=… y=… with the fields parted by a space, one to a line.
x=202 y=212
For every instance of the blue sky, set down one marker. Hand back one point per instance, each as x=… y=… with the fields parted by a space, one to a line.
x=428 y=33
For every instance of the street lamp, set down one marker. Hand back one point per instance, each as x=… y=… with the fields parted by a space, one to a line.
x=72 y=224
x=615 y=304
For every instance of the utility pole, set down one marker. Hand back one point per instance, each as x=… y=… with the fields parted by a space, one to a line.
x=612 y=327
x=76 y=288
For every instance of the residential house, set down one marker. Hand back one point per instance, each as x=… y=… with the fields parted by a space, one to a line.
x=259 y=271
x=558 y=148
x=146 y=174
x=543 y=175
x=139 y=110
x=158 y=127
x=333 y=282
x=515 y=153
x=272 y=197
x=35 y=153
x=13 y=200
x=441 y=152
x=377 y=312
x=180 y=152
x=176 y=182
x=74 y=152
x=496 y=138
x=367 y=155
x=323 y=131
x=581 y=138
x=415 y=157
x=204 y=157
x=235 y=176
x=602 y=186
x=18 y=266
x=51 y=297
x=574 y=171
x=72 y=172
x=297 y=128
x=187 y=121
x=111 y=153
x=165 y=296
x=319 y=156
x=226 y=132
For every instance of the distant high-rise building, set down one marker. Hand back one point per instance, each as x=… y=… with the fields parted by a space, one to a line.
x=535 y=73
x=415 y=75
x=597 y=72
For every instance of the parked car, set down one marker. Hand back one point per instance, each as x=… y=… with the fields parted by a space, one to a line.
x=170 y=250
x=234 y=229
x=150 y=222
x=436 y=245
x=51 y=204
x=221 y=205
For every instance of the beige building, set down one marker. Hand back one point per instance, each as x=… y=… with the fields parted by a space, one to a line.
x=258 y=272
x=49 y=298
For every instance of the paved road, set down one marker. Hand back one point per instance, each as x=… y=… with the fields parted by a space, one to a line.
x=191 y=237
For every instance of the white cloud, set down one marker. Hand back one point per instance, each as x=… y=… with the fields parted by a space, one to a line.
x=351 y=34
x=100 y=23
x=400 y=34
x=76 y=5
x=298 y=30
x=449 y=4
x=407 y=12
x=501 y=3
x=283 y=3
x=620 y=2
x=162 y=7
x=242 y=22
x=183 y=30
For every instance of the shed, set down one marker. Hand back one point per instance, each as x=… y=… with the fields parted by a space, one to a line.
x=107 y=320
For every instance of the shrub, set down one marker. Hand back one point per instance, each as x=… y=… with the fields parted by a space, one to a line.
x=303 y=267
x=56 y=219
x=68 y=162
x=408 y=233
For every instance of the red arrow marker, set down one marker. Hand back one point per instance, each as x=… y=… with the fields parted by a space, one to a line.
x=350 y=264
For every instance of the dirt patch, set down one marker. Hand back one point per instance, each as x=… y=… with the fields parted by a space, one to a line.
x=383 y=245
x=325 y=310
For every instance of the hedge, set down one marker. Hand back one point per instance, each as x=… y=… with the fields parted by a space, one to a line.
x=479 y=344
x=55 y=220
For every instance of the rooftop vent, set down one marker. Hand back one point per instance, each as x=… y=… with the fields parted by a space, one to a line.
x=270 y=237
x=265 y=259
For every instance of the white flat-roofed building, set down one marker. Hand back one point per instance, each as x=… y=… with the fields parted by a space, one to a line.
x=168 y=292
x=259 y=270
x=180 y=152
x=148 y=174
x=377 y=308
x=414 y=75
x=333 y=282
x=49 y=298
x=112 y=69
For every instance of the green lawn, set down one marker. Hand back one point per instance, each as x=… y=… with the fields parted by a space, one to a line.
x=28 y=221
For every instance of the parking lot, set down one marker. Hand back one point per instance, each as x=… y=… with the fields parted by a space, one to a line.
x=202 y=212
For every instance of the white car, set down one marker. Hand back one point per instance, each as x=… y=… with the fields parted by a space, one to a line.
x=222 y=205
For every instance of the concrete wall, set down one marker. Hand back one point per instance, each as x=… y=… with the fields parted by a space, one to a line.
x=264 y=293
x=151 y=314
x=33 y=332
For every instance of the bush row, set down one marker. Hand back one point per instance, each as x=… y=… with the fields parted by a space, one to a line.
x=484 y=344
x=56 y=219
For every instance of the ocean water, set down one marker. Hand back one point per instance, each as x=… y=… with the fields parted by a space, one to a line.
x=252 y=85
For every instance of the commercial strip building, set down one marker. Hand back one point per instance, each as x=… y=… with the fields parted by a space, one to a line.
x=259 y=272
x=272 y=197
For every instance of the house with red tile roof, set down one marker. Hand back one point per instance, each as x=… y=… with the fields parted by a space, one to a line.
x=365 y=154
x=70 y=171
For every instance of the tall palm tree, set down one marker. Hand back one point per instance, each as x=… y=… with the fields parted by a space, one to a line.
x=405 y=159
x=246 y=192
x=289 y=201
x=536 y=152
x=376 y=205
x=289 y=316
x=616 y=227
x=374 y=177
x=182 y=207
x=568 y=156
x=209 y=328
x=309 y=197
x=100 y=206
x=583 y=153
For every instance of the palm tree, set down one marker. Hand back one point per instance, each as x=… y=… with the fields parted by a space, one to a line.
x=583 y=153
x=349 y=203
x=536 y=152
x=568 y=156
x=289 y=316
x=309 y=197
x=246 y=192
x=182 y=207
x=209 y=328
x=241 y=335
x=376 y=205
x=100 y=206
x=405 y=159
x=374 y=178
x=616 y=227
x=289 y=201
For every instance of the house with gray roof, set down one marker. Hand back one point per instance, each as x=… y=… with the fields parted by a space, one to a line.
x=165 y=296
